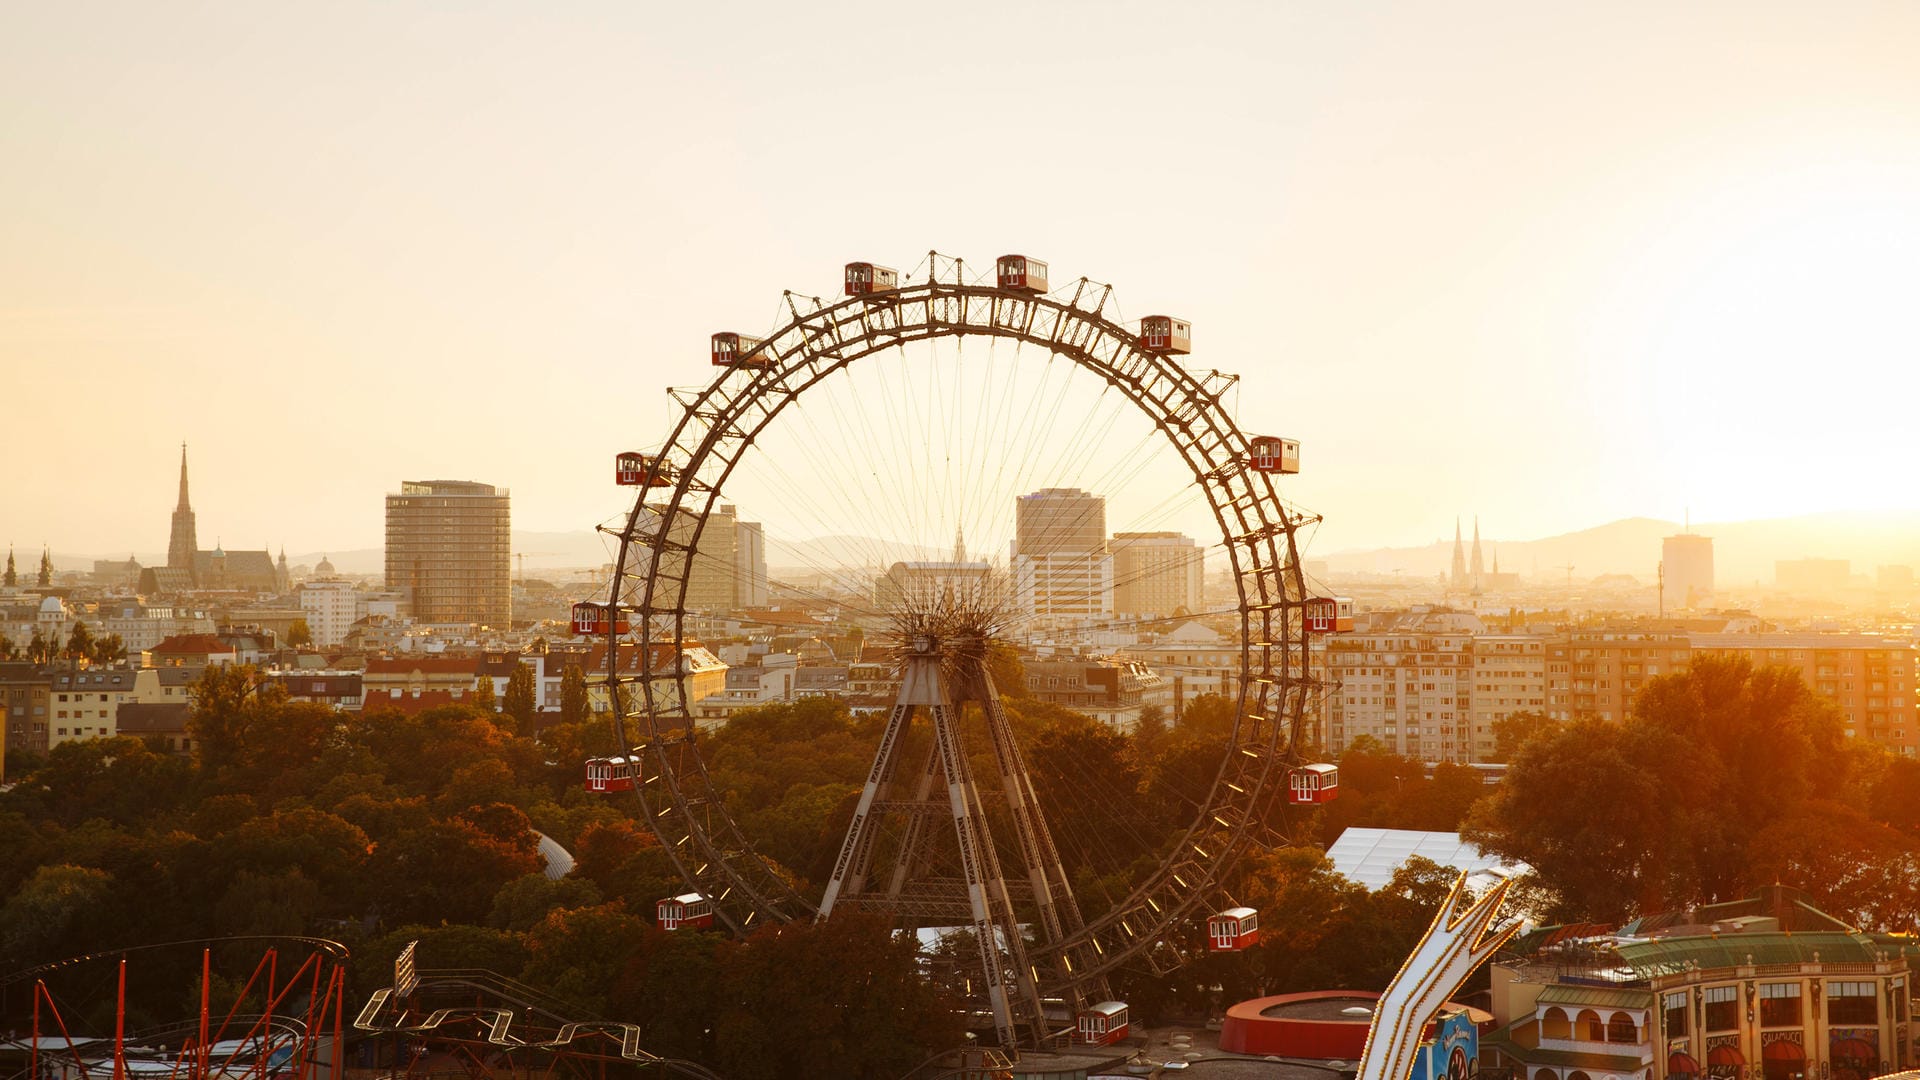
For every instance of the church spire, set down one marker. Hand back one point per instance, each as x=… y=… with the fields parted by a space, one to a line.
x=183 y=543
x=959 y=544
x=12 y=578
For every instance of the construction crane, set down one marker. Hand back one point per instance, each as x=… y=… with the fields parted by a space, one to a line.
x=521 y=579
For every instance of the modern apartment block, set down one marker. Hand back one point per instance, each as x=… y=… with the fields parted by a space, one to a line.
x=1610 y=666
x=1868 y=678
x=1406 y=682
x=1509 y=676
x=449 y=548
x=1156 y=574
x=1433 y=684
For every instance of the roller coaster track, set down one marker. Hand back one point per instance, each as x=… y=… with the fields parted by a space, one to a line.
x=496 y=1023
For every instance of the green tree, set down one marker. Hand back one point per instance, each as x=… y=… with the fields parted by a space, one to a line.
x=522 y=903
x=327 y=849
x=573 y=695
x=484 y=698
x=8 y=650
x=109 y=650
x=1207 y=714
x=230 y=703
x=1151 y=727
x=1514 y=730
x=57 y=913
x=1855 y=868
x=580 y=953
x=520 y=703
x=1008 y=673
x=299 y=634
x=1599 y=866
x=42 y=649
x=448 y=871
x=1710 y=759
x=846 y=991
x=79 y=643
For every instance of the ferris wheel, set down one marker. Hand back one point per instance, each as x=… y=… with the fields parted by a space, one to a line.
x=931 y=443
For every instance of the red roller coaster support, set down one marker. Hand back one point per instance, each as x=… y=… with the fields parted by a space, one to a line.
x=40 y=991
x=120 y=1026
x=206 y=1000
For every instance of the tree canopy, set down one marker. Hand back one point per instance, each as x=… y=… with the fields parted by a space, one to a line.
x=1725 y=777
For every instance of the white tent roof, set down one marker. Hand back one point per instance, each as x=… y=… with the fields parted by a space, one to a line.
x=1370 y=856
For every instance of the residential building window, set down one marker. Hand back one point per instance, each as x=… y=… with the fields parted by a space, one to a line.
x=1780 y=1004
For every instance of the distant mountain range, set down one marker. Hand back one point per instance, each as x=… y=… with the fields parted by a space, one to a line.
x=1744 y=551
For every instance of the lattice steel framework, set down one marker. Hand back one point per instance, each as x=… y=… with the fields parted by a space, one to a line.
x=713 y=436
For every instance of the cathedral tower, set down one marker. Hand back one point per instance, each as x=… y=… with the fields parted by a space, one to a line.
x=183 y=543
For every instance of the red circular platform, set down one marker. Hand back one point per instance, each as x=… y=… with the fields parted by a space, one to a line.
x=1309 y=1025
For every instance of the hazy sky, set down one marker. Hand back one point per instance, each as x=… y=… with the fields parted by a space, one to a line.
x=1551 y=263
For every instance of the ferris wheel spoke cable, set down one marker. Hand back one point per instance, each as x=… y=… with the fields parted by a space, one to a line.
x=840 y=529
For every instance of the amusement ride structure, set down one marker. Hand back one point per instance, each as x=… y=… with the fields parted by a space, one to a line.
x=919 y=847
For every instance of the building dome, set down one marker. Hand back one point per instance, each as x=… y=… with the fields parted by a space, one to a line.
x=325 y=569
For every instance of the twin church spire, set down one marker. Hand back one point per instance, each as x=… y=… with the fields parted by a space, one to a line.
x=1473 y=579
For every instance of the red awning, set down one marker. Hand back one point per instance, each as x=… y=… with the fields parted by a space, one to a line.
x=1855 y=1050
x=1782 y=1050
x=1682 y=1064
x=1726 y=1055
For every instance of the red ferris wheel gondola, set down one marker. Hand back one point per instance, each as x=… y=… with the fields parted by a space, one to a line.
x=1166 y=334
x=686 y=911
x=1017 y=273
x=1329 y=614
x=635 y=469
x=1233 y=929
x=590 y=617
x=605 y=774
x=1270 y=453
x=1316 y=783
x=1101 y=1025
x=866 y=279
x=739 y=350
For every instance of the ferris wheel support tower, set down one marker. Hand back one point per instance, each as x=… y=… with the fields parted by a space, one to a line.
x=943 y=668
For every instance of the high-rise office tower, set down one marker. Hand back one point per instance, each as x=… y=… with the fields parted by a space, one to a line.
x=449 y=547
x=1062 y=573
x=1686 y=563
x=750 y=585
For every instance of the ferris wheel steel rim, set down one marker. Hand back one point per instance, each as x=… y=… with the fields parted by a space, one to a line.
x=717 y=430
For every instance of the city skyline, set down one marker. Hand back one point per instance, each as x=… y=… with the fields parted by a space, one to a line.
x=1868 y=540
x=1599 y=287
